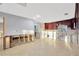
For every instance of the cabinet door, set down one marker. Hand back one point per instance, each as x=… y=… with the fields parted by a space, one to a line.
x=7 y=42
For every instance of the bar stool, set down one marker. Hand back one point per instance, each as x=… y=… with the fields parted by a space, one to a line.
x=21 y=38
x=26 y=37
x=30 y=37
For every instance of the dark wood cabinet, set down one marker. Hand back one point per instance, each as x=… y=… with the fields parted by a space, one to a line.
x=77 y=15
x=54 y=25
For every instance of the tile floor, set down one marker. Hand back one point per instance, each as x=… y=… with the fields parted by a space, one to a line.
x=43 y=47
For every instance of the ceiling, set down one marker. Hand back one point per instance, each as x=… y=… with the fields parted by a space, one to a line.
x=41 y=12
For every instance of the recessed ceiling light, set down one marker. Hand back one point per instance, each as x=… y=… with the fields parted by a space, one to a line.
x=65 y=13
x=38 y=16
x=34 y=18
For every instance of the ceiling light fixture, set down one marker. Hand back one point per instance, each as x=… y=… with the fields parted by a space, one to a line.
x=34 y=18
x=37 y=17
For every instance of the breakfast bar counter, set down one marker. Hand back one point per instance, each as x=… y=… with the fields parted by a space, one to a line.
x=11 y=40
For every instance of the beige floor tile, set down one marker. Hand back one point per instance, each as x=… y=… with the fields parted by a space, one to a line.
x=43 y=47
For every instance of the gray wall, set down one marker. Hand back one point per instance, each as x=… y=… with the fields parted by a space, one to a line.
x=15 y=24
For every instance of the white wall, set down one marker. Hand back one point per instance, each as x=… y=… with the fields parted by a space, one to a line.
x=1 y=27
x=1 y=19
x=1 y=24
